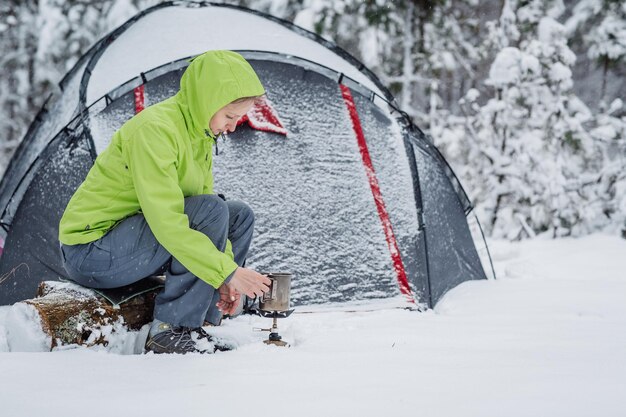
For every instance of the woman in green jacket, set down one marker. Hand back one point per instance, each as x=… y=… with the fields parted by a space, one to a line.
x=147 y=206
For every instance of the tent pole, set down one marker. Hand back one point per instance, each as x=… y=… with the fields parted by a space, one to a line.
x=482 y=233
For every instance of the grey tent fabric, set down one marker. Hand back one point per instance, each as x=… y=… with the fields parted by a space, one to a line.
x=315 y=211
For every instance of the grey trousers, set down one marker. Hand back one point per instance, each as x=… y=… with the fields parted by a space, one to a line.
x=129 y=252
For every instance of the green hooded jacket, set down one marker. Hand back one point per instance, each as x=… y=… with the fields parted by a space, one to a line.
x=157 y=159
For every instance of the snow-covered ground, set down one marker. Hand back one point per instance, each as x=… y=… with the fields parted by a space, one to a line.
x=546 y=339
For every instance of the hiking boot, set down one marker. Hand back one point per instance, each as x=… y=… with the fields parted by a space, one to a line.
x=216 y=342
x=171 y=339
x=164 y=338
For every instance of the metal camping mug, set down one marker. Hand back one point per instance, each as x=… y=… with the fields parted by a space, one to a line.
x=277 y=298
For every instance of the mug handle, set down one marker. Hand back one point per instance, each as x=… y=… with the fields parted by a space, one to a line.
x=271 y=294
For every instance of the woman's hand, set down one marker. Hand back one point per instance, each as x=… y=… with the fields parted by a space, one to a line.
x=229 y=300
x=249 y=282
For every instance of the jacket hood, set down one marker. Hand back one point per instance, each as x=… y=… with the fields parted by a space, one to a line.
x=213 y=80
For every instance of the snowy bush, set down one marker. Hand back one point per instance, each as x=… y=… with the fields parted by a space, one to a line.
x=532 y=158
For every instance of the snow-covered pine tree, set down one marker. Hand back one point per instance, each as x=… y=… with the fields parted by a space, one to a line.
x=17 y=49
x=609 y=133
x=529 y=152
x=598 y=29
x=41 y=40
x=457 y=64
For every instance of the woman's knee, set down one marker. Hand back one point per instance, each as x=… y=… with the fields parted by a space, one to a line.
x=205 y=208
x=240 y=212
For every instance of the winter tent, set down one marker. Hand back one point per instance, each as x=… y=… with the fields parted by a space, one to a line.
x=355 y=201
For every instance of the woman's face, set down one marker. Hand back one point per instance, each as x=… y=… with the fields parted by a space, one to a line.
x=225 y=120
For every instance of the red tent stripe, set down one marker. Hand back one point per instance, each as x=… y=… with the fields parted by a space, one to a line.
x=378 y=198
x=139 y=99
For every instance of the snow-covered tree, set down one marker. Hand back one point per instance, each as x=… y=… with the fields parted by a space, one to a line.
x=527 y=152
x=599 y=26
x=17 y=50
x=609 y=180
x=41 y=40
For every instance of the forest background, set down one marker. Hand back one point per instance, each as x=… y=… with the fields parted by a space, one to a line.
x=525 y=98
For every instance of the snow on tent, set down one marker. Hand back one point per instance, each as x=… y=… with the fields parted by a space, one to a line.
x=354 y=201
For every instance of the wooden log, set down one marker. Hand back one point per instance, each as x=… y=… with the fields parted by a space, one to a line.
x=71 y=314
x=136 y=312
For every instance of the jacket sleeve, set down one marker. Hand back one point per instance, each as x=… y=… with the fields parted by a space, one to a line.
x=229 y=250
x=207 y=188
x=151 y=155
